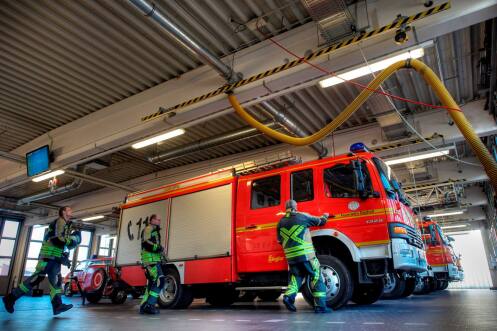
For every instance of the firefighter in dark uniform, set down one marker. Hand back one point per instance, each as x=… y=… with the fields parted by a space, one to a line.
x=152 y=258
x=294 y=235
x=58 y=237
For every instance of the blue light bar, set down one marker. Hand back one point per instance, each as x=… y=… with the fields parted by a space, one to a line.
x=358 y=147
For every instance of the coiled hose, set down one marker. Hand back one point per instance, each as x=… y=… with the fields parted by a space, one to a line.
x=489 y=164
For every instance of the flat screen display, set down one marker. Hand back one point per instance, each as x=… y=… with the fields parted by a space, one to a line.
x=38 y=161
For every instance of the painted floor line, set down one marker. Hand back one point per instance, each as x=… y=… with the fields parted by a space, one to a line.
x=373 y=323
x=273 y=321
x=301 y=322
x=419 y=324
x=217 y=320
x=243 y=320
x=335 y=322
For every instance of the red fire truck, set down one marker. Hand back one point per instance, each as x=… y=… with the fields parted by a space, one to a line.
x=444 y=265
x=219 y=230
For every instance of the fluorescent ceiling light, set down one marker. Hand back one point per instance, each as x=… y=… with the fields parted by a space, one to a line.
x=98 y=217
x=450 y=213
x=416 y=157
x=373 y=67
x=159 y=138
x=454 y=226
x=48 y=175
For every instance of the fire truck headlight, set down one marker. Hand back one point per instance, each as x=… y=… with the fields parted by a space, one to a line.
x=399 y=230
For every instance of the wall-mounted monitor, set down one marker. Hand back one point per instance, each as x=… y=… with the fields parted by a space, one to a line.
x=38 y=161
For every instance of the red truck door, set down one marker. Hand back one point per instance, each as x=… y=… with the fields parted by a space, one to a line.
x=364 y=220
x=260 y=205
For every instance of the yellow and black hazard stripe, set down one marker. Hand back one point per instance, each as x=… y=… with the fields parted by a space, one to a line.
x=320 y=52
x=403 y=143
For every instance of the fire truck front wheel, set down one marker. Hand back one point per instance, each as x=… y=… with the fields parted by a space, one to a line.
x=174 y=295
x=337 y=279
x=366 y=294
x=410 y=286
x=394 y=287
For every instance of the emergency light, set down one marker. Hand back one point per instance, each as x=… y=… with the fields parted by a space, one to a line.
x=358 y=147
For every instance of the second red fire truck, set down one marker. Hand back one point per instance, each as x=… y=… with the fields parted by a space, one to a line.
x=444 y=264
x=219 y=230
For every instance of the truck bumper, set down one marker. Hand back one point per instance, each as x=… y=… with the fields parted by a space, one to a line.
x=426 y=274
x=440 y=269
x=407 y=257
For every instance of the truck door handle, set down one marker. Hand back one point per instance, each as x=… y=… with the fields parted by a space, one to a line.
x=251 y=226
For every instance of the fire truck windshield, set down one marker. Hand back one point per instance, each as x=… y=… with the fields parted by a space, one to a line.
x=389 y=181
x=341 y=182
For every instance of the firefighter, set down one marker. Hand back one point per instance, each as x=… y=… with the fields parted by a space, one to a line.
x=58 y=237
x=152 y=258
x=295 y=238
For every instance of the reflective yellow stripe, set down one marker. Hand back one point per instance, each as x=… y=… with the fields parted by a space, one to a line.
x=370 y=243
x=337 y=217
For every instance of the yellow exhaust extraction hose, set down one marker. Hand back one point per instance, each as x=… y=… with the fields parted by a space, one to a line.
x=431 y=79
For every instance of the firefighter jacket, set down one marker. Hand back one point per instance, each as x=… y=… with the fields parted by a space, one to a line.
x=56 y=238
x=151 y=245
x=294 y=235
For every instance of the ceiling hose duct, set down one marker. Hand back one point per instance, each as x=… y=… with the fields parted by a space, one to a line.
x=489 y=164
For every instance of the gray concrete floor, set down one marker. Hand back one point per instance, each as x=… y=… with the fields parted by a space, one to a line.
x=447 y=310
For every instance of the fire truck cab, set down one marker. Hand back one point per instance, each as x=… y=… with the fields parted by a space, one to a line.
x=219 y=230
x=444 y=264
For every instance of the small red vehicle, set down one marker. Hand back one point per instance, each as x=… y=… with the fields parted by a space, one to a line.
x=97 y=278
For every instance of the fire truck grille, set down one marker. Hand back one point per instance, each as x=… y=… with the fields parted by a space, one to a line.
x=414 y=238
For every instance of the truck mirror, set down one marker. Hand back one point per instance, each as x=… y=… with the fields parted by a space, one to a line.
x=359 y=180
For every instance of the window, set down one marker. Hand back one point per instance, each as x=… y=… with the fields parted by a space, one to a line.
x=8 y=237
x=84 y=247
x=106 y=246
x=37 y=234
x=302 y=185
x=340 y=181
x=266 y=192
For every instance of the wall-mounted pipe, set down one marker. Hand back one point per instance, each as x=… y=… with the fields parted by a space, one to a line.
x=188 y=42
x=292 y=126
x=200 y=145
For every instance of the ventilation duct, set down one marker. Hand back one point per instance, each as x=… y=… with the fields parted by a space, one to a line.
x=333 y=18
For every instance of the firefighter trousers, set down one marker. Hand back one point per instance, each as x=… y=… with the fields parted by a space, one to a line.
x=155 y=283
x=45 y=267
x=310 y=271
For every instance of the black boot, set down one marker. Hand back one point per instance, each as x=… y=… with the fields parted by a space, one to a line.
x=149 y=309
x=58 y=307
x=289 y=304
x=9 y=301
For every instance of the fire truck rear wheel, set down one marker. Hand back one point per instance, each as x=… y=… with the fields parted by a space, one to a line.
x=174 y=295
x=338 y=282
x=366 y=294
x=410 y=286
x=394 y=287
